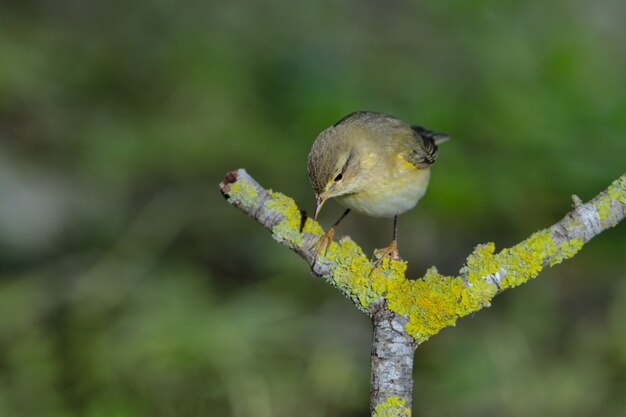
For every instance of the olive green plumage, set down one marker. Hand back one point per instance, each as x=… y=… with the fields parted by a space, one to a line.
x=373 y=163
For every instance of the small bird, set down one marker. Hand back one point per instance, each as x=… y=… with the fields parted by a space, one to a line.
x=374 y=164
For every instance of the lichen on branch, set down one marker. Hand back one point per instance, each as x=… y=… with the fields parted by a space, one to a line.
x=392 y=407
x=433 y=301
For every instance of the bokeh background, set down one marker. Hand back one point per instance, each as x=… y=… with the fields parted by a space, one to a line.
x=129 y=287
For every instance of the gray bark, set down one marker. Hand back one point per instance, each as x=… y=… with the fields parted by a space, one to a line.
x=392 y=358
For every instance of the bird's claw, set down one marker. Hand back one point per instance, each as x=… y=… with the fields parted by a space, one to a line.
x=390 y=253
x=324 y=243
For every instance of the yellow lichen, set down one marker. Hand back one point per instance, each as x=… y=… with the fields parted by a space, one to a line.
x=288 y=230
x=525 y=260
x=482 y=257
x=398 y=295
x=388 y=276
x=437 y=301
x=617 y=191
x=567 y=249
x=353 y=272
x=244 y=192
x=351 y=269
x=392 y=407
x=604 y=203
x=481 y=263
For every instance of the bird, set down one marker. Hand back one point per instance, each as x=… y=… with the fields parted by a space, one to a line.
x=374 y=164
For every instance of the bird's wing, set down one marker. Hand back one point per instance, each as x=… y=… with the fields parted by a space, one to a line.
x=425 y=151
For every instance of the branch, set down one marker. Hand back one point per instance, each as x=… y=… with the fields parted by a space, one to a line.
x=434 y=301
x=406 y=312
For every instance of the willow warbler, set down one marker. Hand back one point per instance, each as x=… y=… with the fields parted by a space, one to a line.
x=374 y=164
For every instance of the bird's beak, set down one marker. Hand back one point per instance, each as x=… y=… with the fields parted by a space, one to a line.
x=321 y=199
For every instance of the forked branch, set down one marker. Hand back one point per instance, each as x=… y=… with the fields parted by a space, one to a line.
x=406 y=312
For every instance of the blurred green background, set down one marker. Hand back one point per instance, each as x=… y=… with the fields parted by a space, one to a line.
x=129 y=287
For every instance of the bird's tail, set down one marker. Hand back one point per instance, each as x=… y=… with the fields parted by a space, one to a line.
x=435 y=137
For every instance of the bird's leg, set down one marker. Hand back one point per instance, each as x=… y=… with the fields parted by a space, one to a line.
x=324 y=242
x=390 y=251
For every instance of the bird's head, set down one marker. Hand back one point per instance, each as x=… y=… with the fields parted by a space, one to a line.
x=333 y=165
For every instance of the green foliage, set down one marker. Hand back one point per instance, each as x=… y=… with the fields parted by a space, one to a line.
x=128 y=287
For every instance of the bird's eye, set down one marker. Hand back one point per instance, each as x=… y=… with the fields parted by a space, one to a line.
x=339 y=177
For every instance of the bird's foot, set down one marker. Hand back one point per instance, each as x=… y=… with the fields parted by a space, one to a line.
x=390 y=253
x=323 y=243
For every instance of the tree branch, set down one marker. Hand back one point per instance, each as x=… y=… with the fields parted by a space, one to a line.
x=405 y=310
